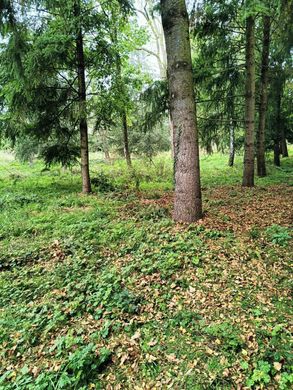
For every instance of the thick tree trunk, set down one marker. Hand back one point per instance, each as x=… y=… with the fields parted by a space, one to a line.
x=125 y=139
x=261 y=163
x=84 y=151
x=248 y=172
x=232 y=145
x=187 y=203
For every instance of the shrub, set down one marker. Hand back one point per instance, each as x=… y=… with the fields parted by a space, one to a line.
x=278 y=235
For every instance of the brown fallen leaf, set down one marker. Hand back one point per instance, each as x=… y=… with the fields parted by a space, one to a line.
x=277 y=366
x=150 y=358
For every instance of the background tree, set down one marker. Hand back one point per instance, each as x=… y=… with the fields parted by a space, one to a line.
x=70 y=45
x=248 y=172
x=218 y=72
x=261 y=165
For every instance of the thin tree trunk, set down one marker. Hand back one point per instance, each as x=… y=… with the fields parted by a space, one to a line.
x=123 y=113
x=105 y=147
x=261 y=163
x=232 y=145
x=231 y=112
x=277 y=136
x=284 y=148
x=187 y=202
x=160 y=55
x=209 y=148
x=248 y=172
x=277 y=153
x=125 y=139
x=84 y=151
x=107 y=155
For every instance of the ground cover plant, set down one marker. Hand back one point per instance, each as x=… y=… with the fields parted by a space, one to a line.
x=105 y=291
x=145 y=194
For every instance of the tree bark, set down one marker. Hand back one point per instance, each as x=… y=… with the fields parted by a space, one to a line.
x=283 y=142
x=248 y=172
x=261 y=163
x=277 y=153
x=187 y=202
x=125 y=139
x=123 y=112
x=83 y=127
x=232 y=145
x=277 y=135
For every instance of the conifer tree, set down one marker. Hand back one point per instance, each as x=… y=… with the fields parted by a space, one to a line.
x=187 y=203
x=248 y=172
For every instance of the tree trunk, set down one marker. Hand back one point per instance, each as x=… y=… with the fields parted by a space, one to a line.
x=160 y=54
x=105 y=146
x=123 y=112
x=261 y=163
x=84 y=151
x=125 y=139
x=187 y=202
x=277 y=153
x=107 y=155
x=248 y=172
x=232 y=145
x=278 y=129
x=209 y=148
x=283 y=142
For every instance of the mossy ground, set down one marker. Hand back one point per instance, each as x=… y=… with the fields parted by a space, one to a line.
x=105 y=291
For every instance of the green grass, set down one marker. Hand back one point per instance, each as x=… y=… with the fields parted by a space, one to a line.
x=106 y=290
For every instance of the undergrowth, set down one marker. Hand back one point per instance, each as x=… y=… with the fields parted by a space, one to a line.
x=105 y=291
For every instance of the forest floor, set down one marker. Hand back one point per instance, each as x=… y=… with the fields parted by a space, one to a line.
x=106 y=292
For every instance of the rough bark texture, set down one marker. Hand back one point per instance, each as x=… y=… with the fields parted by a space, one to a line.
x=187 y=202
x=261 y=163
x=86 y=182
x=248 y=172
